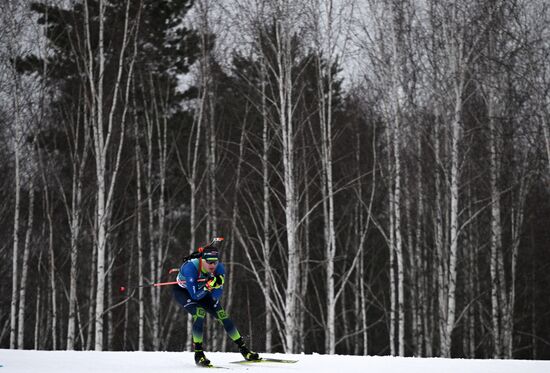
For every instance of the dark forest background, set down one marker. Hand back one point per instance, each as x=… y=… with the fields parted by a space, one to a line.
x=396 y=204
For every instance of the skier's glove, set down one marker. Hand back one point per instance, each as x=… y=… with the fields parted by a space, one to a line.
x=215 y=282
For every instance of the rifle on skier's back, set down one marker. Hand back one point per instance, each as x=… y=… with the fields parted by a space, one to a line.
x=197 y=254
x=194 y=255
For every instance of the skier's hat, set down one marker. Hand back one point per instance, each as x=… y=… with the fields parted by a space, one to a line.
x=210 y=254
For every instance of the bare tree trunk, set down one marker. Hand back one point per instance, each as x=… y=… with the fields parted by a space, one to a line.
x=440 y=262
x=212 y=219
x=419 y=259
x=395 y=129
x=151 y=212
x=234 y=217
x=325 y=40
x=391 y=244
x=106 y=176
x=139 y=236
x=193 y=183
x=48 y=210
x=364 y=225
x=75 y=219
x=129 y=279
x=453 y=228
x=470 y=259
x=91 y=298
x=285 y=109
x=398 y=240
x=37 y=314
x=52 y=269
x=17 y=141
x=496 y=230
x=109 y=299
x=304 y=258
x=266 y=247
x=193 y=177
x=522 y=174
x=38 y=305
x=156 y=125
x=25 y=269
x=97 y=125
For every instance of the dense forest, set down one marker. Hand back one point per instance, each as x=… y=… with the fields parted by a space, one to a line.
x=379 y=170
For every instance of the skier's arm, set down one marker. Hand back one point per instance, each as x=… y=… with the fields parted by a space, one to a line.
x=189 y=273
x=218 y=292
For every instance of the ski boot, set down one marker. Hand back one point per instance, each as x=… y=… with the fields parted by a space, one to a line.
x=247 y=354
x=200 y=359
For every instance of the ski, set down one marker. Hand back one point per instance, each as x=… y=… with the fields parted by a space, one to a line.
x=265 y=360
x=212 y=366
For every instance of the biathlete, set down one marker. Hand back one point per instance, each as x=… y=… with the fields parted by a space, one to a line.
x=199 y=290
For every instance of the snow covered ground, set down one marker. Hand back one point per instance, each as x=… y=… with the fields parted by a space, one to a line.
x=27 y=361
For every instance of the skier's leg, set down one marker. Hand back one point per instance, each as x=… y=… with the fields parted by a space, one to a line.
x=219 y=313
x=216 y=310
x=198 y=313
x=198 y=323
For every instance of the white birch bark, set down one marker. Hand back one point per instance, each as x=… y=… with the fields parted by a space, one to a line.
x=391 y=244
x=304 y=254
x=278 y=58
x=102 y=141
x=230 y=264
x=440 y=272
x=51 y=254
x=193 y=184
x=496 y=229
x=212 y=219
x=97 y=125
x=458 y=52
x=456 y=134
x=284 y=82
x=266 y=246
x=389 y=24
x=419 y=260
x=139 y=235
x=16 y=223
x=396 y=147
x=80 y=157
x=151 y=212
x=17 y=145
x=323 y=25
x=25 y=268
x=37 y=316
x=192 y=174
x=91 y=298
x=362 y=299
x=522 y=174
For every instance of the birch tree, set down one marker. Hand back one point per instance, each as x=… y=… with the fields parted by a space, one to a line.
x=328 y=28
x=278 y=54
x=15 y=95
x=103 y=139
x=283 y=27
x=25 y=268
x=388 y=48
x=461 y=35
x=78 y=136
x=503 y=39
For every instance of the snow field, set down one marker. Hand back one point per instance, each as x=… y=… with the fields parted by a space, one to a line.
x=29 y=361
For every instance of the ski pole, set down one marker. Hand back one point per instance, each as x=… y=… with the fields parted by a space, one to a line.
x=124 y=288
x=157 y=284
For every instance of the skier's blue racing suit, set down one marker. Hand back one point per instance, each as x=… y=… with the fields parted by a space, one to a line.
x=197 y=299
